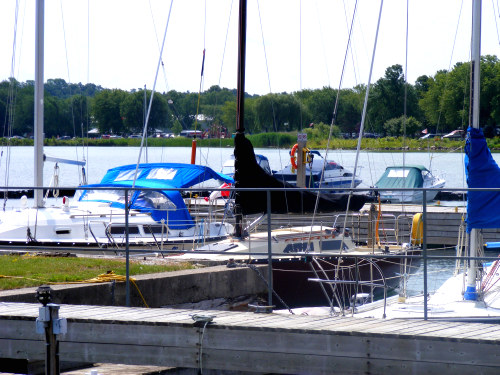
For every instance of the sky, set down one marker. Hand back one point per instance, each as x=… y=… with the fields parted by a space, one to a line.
x=291 y=44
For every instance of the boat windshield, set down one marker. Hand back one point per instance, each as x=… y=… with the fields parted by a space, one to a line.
x=153 y=200
x=103 y=196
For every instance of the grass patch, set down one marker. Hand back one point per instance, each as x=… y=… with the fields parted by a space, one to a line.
x=20 y=271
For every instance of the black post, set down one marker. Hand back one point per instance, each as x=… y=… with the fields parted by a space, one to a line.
x=48 y=323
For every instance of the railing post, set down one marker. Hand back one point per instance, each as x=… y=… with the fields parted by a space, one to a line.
x=424 y=248
x=269 y=252
x=127 y=254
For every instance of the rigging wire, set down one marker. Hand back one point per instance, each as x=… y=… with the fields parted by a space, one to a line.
x=405 y=101
x=363 y=116
x=334 y=115
x=441 y=104
x=220 y=78
x=10 y=105
x=270 y=90
x=200 y=88
x=144 y=133
x=495 y=12
x=162 y=64
x=80 y=176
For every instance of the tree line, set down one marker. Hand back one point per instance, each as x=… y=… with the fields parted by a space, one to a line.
x=438 y=103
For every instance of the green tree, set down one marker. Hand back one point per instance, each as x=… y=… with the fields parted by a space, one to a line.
x=387 y=99
x=176 y=127
x=106 y=111
x=399 y=127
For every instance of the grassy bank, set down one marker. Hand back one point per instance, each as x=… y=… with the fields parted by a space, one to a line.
x=274 y=140
x=20 y=271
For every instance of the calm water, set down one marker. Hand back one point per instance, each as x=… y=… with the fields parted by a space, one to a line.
x=371 y=165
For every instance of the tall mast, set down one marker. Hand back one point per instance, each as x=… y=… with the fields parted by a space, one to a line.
x=240 y=106
x=38 y=125
x=470 y=293
x=240 y=89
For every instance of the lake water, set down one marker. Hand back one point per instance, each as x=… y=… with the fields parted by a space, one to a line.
x=371 y=165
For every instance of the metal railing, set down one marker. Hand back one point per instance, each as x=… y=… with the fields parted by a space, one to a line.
x=424 y=258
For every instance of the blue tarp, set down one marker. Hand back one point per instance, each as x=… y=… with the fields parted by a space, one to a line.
x=161 y=177
x=483 y=207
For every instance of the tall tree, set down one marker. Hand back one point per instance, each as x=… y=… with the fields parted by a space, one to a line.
x=106 y=111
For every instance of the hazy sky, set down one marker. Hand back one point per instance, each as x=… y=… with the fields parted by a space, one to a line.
x=292 y=44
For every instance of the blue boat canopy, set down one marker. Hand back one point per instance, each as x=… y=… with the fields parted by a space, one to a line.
x=482 y=172
x=408 y=176
x=161 y=202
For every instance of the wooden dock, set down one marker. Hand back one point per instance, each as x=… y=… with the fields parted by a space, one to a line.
x=259 y=343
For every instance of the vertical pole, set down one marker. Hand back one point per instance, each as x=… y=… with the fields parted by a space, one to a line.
x=53 y=367
x=127 y=254
x=301 y=167
x=269 y=252
x=470 y=292
x=424 y=248
x=38 y=126
x=240 y=106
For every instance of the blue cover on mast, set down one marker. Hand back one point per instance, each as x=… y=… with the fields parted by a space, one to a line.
x=482 y=172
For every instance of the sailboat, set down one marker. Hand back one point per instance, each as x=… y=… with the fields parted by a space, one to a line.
x=133 y=204
x=291 y=248
x=473 y=292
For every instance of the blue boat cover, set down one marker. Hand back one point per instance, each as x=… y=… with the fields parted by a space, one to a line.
x=161 y=177
x=482 y=172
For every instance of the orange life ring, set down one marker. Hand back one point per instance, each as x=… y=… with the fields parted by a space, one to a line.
x=293 y=157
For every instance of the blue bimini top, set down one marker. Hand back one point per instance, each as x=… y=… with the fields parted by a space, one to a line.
x=153 y=189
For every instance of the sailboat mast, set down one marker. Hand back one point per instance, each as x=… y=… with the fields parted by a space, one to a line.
x=470 y=293
x=240 y=89
x=38 y=125
x=240 y=106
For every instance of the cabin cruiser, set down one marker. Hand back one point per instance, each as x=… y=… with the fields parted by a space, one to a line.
x=262 y=161
x=408 y=176
x=320 y=173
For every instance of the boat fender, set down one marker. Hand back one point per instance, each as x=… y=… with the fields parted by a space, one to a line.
x=293 y=156
x=417 y=229
x=307 y=157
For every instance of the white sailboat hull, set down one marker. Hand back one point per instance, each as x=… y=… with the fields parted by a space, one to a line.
x=98 y=224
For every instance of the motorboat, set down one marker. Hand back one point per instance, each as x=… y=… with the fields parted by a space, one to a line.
x=262 y=161
x=320 y=173
x=411 y=177
x=147 y=198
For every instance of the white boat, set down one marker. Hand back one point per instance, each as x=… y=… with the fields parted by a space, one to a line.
x=411 y=177
x=153 y=211
x=262 y=161
x=157 y=213
x=320 y=173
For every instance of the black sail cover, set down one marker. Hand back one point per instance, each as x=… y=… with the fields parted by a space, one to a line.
x=248 y=174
